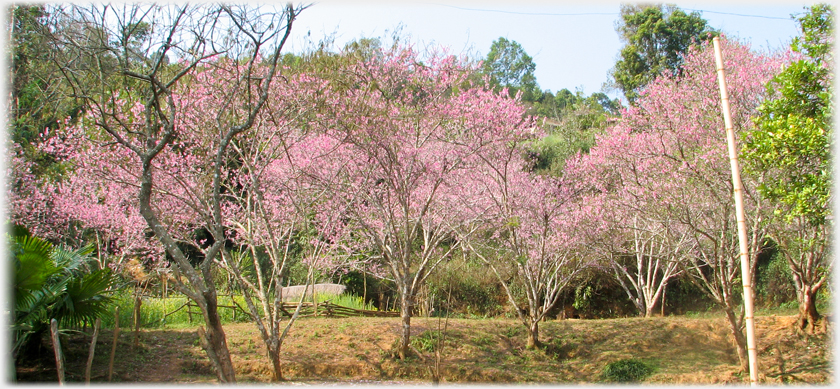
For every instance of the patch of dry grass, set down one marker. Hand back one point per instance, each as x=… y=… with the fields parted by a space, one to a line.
x=682 y=351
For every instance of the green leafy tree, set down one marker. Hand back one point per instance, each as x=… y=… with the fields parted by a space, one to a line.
x=38 y=98
x=655 y=37
x=572 y=122
x=793 y=136
x=509 y=66
x=790 y=149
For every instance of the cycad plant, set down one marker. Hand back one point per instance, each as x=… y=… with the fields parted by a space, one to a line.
x=53 y=282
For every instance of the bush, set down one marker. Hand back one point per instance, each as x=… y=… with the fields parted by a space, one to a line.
x=626 y=370
x=774 y=282
x=474 y=291
x=426 y=341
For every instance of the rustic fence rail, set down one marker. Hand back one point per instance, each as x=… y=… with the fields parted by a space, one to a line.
x=307 y=309
x=328 y=309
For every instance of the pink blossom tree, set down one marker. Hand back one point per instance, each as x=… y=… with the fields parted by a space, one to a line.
x=276 y=204
x=625 y=223
x=527 y=227
x=145 y=117
x=674 y=142
x=412 y=125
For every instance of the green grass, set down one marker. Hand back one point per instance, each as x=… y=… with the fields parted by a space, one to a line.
x=626 y=370
x=346 y=300
x=154 y=311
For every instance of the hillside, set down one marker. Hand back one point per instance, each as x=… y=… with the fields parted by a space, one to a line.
x=682 y=351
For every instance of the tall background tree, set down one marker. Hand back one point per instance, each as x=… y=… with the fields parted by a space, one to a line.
x=790 y=150
x=655 y=39
x=509 y=66
x=571 y=120
x=38 y=98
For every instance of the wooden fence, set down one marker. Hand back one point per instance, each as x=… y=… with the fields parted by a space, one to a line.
x=307 y=309
x=328 y=309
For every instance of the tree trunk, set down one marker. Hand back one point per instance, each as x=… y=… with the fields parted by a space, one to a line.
x=740 y=339
x=533 y=334
x=808 y=315
x=217 y=342
x=274 y=355
x=405 y=335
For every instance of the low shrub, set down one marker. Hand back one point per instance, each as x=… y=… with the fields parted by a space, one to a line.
x=426 y=341
x=626 y=370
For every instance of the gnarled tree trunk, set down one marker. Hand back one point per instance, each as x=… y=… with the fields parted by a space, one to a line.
x=533 y=334
x=808 y=315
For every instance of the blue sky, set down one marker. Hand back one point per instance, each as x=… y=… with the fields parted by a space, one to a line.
x=573 y=45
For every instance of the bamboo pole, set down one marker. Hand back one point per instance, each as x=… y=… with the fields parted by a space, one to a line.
x=92 y=349
x=740 y=218
x=56 y=343
x=114 y=344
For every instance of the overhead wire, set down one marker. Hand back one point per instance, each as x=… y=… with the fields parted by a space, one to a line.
x=601 y=13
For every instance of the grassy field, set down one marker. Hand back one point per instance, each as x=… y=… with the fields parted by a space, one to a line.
x=678 y=349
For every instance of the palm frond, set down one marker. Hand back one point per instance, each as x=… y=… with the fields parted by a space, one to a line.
x=32 y=263
x=86 y=298
x=71 y=260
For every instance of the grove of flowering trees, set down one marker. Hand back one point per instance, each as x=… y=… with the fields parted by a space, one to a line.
x=665 y=164
x=413 y=133
x=393 y=161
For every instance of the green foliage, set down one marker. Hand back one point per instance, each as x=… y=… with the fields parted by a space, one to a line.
x=572 y=122
x=583 y=295
x=655 y=37
x=33 y=264
x=774 y=282
x=626 y=370
x=461 y=287
x=53 y=283
x=791 y=146
x=509 y=66
x=427 y=341
x=158 y=312
x=38 y=96
x=346 y=300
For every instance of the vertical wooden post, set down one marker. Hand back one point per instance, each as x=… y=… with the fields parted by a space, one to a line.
x=662 y=307
x=92 y=349
x=56 y=343
x=738 y=190
x=114 y=343
x=163 y=297
x=314 y=300
x=364 y=286
x=137 y=302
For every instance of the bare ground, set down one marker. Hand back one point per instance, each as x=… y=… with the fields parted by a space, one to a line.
x=359 y=350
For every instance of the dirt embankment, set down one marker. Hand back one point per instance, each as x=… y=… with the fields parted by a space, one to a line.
x=681 y=350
